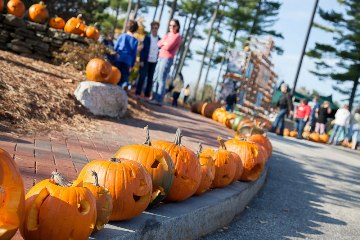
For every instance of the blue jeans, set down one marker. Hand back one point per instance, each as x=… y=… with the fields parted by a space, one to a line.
x=337 y=134
x=230 y=107
x=279 y=122
x=125 y=73
x=299 y=126
x=161 y=72
x=146 y=72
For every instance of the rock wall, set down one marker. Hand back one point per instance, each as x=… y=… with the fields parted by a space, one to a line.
x=33 y=39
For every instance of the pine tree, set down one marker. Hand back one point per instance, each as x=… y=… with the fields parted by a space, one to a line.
x=345 y=29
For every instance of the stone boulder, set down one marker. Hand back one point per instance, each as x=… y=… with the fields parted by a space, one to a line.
x=102 y=99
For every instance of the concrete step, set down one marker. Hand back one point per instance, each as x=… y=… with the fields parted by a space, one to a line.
x=190 y=219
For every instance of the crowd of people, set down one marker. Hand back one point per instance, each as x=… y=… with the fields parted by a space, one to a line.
x=344 y=127
x=156 y=58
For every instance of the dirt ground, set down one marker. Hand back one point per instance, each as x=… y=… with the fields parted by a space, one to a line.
x=38 y=97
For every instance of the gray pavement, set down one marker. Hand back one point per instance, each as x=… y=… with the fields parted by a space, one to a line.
x=312 y=192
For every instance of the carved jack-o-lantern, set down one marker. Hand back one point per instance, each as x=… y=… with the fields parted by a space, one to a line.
x=225 y=165
x=252 y=158
x=207 y=171
x=187 y=168
x=56 y=209
x=103 y=202
x=128 y=182
x=12 y=201
x=157 y=162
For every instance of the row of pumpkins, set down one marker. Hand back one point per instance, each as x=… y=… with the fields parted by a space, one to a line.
x=121 y=188
x=241 y=124
x=39 y=14
x=312 y=136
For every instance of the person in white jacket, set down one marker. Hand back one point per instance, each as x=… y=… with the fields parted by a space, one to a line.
x=342 y=120
x=354 y=131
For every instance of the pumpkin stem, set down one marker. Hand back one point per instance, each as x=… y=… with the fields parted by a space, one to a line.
x=60 y=180
x=221 y=142
x=79 y=16
x=178 y=137
x=199 y=150
x=115 y=160
x=96 y=182
x=147 y=139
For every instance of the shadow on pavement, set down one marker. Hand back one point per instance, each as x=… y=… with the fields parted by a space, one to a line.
x=290 y=204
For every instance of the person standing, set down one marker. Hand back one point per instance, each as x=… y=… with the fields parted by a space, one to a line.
x=354 y=131
x=230 y=101
x=314 y=108
x=302 y=116
x=342 y=119
x=285 y=106
x=178 y=85
x=168 y=48
x=148 y=60
x=322 y=115
x=126 y=47
x=186 y=93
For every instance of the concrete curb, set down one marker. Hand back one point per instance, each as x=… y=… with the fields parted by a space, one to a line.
x=190 y=219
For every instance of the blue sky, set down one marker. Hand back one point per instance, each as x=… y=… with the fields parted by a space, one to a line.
x=293 y=22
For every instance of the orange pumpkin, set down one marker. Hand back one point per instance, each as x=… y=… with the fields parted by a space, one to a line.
x=187 y=168
x=56 y=209
x=1 y=5
x=104 y=203
x=324 y=138
x=315 y=137
x=16 y=8
x=115 y=76
x=263 y=141
x=157 y=162
x=286 y=132
x=92 y=33
x=207 y=164
x=251 y=157
x=75 y=25
x=57 y=22
x=12 y=201
x=306 y=135
x=293 y=133
x=127 y=181
x=225 y=165
x=217 y=113
x=98 y=70
x=239 y=167
x=38 y=13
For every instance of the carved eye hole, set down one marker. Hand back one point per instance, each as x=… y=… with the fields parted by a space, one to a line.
x=84 y=207
x=136 y=198
x=155 y=164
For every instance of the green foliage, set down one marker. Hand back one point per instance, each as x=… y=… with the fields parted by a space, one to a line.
x=344 y=26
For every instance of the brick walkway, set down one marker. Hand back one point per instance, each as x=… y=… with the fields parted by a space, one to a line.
x=67 y=152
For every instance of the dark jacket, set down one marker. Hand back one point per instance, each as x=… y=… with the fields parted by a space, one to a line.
x=144 y=54
x=285 y=102
x=231 y=99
